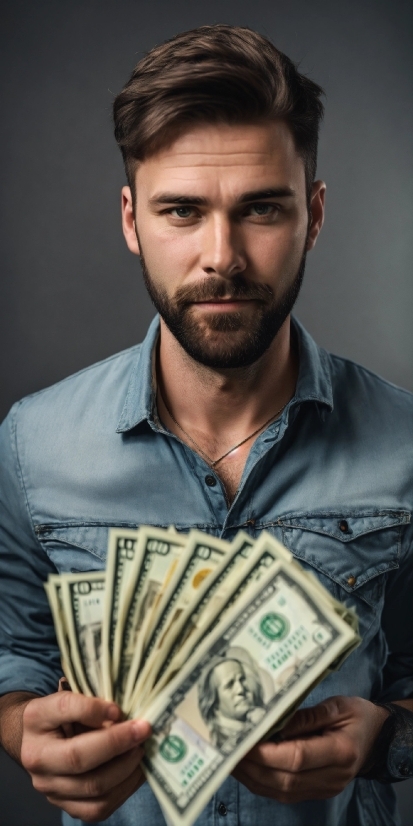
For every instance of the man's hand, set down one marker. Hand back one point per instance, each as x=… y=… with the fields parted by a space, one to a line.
x=92 y=773
x=322 y=750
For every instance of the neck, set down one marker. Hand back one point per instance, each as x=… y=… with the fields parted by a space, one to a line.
x=230 y=401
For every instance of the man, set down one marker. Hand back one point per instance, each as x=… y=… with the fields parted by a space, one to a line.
x=227 y=416
x=230 y=698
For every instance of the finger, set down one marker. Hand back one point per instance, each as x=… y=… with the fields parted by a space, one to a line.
x=332 y=748
x=315 y=718
x=287 y=787
x=50 y=713
x=93 y=784
x=100 y=808
x=87 y=751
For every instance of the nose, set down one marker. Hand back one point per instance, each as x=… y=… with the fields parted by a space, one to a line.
x=239 y=688
x=222 y=250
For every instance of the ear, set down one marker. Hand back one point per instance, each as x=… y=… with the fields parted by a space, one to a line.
x=317 y=200
x=128 y=221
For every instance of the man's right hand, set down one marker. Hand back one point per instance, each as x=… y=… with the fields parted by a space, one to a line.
x=89 y=774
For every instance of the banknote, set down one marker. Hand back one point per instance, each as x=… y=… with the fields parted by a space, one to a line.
x=215 y=643
x=156 y=557
x=272 y=647
x=54 y=593
x=122 y=546
x=83 y=597
x=200 y=558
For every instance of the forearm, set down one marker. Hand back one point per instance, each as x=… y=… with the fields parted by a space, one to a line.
x=12 y=708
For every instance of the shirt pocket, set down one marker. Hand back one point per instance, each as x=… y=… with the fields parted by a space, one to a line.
x=76 y=547
x=351 y=553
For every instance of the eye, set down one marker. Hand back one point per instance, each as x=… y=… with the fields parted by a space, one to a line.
x=181 y=212
x=262 y=210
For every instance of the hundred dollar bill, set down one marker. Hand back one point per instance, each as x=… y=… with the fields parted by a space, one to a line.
x=156 y=556
x=83 y=604
x=53 y=590
x=272 y=647
x=202 y=556
x=122 y=546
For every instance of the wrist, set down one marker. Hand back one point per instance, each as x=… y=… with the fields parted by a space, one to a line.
x=391 y=758
x=12 y=708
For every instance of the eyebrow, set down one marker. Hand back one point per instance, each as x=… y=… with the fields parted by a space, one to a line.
x=245 y=198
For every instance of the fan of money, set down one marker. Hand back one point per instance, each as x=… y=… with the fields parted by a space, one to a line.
x=215 y=643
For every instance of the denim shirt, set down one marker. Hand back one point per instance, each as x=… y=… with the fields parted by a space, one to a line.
x=331 y=479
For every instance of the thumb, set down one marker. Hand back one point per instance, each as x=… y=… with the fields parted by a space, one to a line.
x=313 y=719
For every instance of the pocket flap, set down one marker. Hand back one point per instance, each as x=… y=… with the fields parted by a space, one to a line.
x=76 y=547
x=350 y=548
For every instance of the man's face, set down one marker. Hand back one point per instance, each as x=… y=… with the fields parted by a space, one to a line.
x=222 y=224
x=235 y=697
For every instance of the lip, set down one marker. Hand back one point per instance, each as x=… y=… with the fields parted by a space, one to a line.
x=224 y=304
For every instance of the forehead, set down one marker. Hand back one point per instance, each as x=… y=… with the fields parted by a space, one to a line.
x=226 y=670
x=217 y=156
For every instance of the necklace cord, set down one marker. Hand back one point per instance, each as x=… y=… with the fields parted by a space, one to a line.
x=214 y=462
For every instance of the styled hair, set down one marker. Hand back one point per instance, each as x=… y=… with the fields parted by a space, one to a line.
x=214 y=74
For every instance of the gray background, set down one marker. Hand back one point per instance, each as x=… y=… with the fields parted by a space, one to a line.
x=72 y=294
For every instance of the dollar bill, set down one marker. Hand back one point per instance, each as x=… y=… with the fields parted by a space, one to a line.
x=53 y=589
x=273 y=645
x=83 y=597
x=202 y=556
x=157 y=554
x=122 y=547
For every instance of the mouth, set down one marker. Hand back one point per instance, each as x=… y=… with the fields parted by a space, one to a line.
x=224 y=304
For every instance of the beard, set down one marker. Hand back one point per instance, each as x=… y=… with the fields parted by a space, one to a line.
x=224 y=340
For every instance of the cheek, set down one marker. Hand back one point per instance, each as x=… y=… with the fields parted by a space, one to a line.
x=277 y=257
x=168 y=254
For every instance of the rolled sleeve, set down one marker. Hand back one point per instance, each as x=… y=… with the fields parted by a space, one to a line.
x=29 y=655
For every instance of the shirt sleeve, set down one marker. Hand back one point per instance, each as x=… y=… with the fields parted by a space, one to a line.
x=398 y=625
x=29 y=655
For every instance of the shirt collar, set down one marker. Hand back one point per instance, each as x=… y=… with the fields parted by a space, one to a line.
x=313 y=384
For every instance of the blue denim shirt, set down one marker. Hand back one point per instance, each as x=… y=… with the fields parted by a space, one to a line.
x=331 y=479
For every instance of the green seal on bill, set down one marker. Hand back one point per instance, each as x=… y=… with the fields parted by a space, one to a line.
x=173 y=748
x=274 y=626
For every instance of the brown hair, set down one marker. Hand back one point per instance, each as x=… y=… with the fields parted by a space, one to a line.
x=214 y=74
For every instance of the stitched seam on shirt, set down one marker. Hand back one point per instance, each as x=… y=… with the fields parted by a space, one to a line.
x=340 y=537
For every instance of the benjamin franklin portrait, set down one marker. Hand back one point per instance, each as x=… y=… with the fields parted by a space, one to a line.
x=230 y=698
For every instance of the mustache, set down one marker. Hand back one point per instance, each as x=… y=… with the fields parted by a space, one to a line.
x=214 y=288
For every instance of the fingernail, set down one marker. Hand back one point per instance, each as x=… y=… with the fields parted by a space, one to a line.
x=113 y=713
x=139 y=729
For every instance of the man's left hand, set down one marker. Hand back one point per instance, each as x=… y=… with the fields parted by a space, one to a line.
x=322 y=750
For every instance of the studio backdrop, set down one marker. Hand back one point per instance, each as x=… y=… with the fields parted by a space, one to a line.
x=72 y=294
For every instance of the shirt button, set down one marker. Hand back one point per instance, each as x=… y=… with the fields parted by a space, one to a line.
x=404 y=770
x=222 y=810
x=251 y=522
x=210 y=481
x=351 y=581
x=343 y=525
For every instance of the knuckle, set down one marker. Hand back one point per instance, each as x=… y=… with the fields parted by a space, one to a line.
x=74 y=756
x=298 y=756
x=41 y=784
x=30 y=713
x=64 y=703
x=94 y=786
x=30 y=758
x=288 y=783
x=349 y=754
